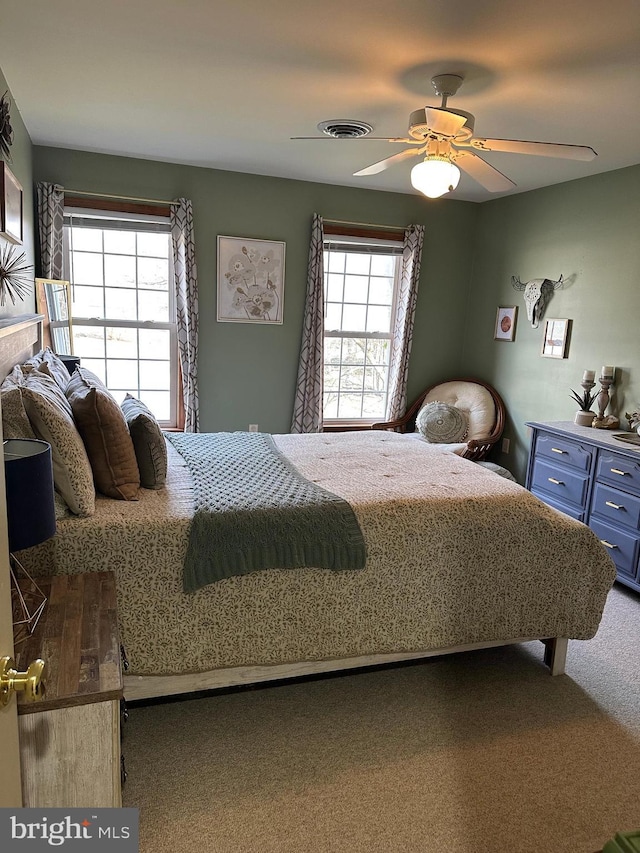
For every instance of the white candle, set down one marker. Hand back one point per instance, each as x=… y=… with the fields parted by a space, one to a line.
x=607 y=371
x=589 y=376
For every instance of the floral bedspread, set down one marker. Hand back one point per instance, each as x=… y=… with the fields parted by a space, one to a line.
x=455 y=554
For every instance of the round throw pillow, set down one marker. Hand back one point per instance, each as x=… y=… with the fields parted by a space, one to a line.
x=441 y=423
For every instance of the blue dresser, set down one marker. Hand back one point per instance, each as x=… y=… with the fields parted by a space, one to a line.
x=593 y=477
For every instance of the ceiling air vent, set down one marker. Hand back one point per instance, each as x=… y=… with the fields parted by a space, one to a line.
x=344 y=128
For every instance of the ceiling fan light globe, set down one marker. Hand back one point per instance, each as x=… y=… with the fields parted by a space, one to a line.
x=435 y=176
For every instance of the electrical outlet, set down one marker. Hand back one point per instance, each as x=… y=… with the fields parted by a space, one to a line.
x=253 y=427
x=505 y=445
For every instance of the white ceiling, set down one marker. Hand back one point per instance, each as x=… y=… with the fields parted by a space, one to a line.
x=225 y=84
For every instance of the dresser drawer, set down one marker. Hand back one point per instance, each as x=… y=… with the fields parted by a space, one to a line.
x=616 y=506
x=622 y=547
x=564 y=452
x=621 y=471
x=573 y=511
x=561 y=484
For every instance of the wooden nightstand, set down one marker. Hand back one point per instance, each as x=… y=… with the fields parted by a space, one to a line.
x=70 y=741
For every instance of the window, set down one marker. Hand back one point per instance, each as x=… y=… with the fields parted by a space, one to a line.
x=360 y=287
x=123 y=306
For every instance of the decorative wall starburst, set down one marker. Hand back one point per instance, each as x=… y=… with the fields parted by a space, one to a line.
x=16 y=276
x=6 y=131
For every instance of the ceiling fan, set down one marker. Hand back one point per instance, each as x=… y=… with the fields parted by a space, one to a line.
x=445 y=137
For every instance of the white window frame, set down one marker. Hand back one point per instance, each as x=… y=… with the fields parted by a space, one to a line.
x=111 y=219
x=341 y=242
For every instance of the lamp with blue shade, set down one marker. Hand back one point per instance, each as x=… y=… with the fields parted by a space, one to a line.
x=31 y=520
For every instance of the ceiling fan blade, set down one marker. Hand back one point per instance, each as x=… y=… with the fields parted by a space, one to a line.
x=404 y=139
x=443 y=122
x=381 y=165
x=541 y=149
x=490 y=178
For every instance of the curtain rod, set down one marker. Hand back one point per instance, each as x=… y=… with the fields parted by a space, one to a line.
x=119 y=197
x=365 y=224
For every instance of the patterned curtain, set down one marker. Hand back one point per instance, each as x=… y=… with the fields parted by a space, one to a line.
x=403 y=327
x=50 y=229
x=307 y=407
x=186 y=283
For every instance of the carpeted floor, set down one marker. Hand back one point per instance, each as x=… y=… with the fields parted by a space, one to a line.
x=475 y=753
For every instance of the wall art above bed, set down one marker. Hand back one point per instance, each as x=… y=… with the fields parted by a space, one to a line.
x=250 y=280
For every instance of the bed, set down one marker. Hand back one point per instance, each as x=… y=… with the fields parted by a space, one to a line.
x=457 y=558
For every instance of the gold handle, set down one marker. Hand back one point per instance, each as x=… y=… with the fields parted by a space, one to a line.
x=608 y=544
x=556 y=450
x=30 y=682
x=557 y=482
x=613 y=506
x=618 y=471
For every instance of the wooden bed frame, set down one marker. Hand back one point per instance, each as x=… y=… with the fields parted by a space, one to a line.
x=137 y=687
x=20 y=338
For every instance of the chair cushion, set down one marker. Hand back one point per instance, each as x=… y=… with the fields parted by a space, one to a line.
x=474 y=400
x=441 y=423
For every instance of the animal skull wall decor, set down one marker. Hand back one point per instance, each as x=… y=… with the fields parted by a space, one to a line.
x=537 y=294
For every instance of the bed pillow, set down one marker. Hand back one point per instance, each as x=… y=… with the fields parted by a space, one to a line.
x=148 y=441
x=50 y=416
x=15 y=423
x=105 y=434
x=46 y=361
x=441 y=423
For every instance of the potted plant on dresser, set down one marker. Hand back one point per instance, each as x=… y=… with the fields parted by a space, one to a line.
x=584 y=416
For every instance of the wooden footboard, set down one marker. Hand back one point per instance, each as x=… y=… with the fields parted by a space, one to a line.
x=137 y=687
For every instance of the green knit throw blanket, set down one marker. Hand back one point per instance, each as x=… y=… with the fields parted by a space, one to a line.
x=254 y=510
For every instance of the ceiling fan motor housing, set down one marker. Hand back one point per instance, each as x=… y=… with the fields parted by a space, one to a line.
x=419 y=127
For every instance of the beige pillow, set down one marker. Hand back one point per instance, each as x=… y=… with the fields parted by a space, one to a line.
x=106 y=436
x=50 y=416
x=148 y=441
x=15 y=423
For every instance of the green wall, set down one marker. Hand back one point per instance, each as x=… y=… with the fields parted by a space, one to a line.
x=588 y=230
x=21 y=166
x=247 y=372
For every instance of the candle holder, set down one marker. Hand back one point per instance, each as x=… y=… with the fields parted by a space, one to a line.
x=603 y=399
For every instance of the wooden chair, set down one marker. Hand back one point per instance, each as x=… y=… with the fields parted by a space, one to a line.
x=481 y=404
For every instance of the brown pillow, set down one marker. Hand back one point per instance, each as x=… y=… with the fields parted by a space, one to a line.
x=106 y=436
x=148 y=441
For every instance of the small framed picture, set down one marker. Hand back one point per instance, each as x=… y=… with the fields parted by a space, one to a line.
x=556 y=338
x=10 y=205
x=250 y=280
x=506 y=323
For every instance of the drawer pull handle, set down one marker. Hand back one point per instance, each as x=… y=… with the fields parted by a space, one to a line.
x=557 y=450
x=556 y=482
x=618 y=471
x=613 y=506
x=608 y=544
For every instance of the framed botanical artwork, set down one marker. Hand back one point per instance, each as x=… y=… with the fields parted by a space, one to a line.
x=506 y=323
x=556 y=338
x=10 y=205
x=250 y=280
